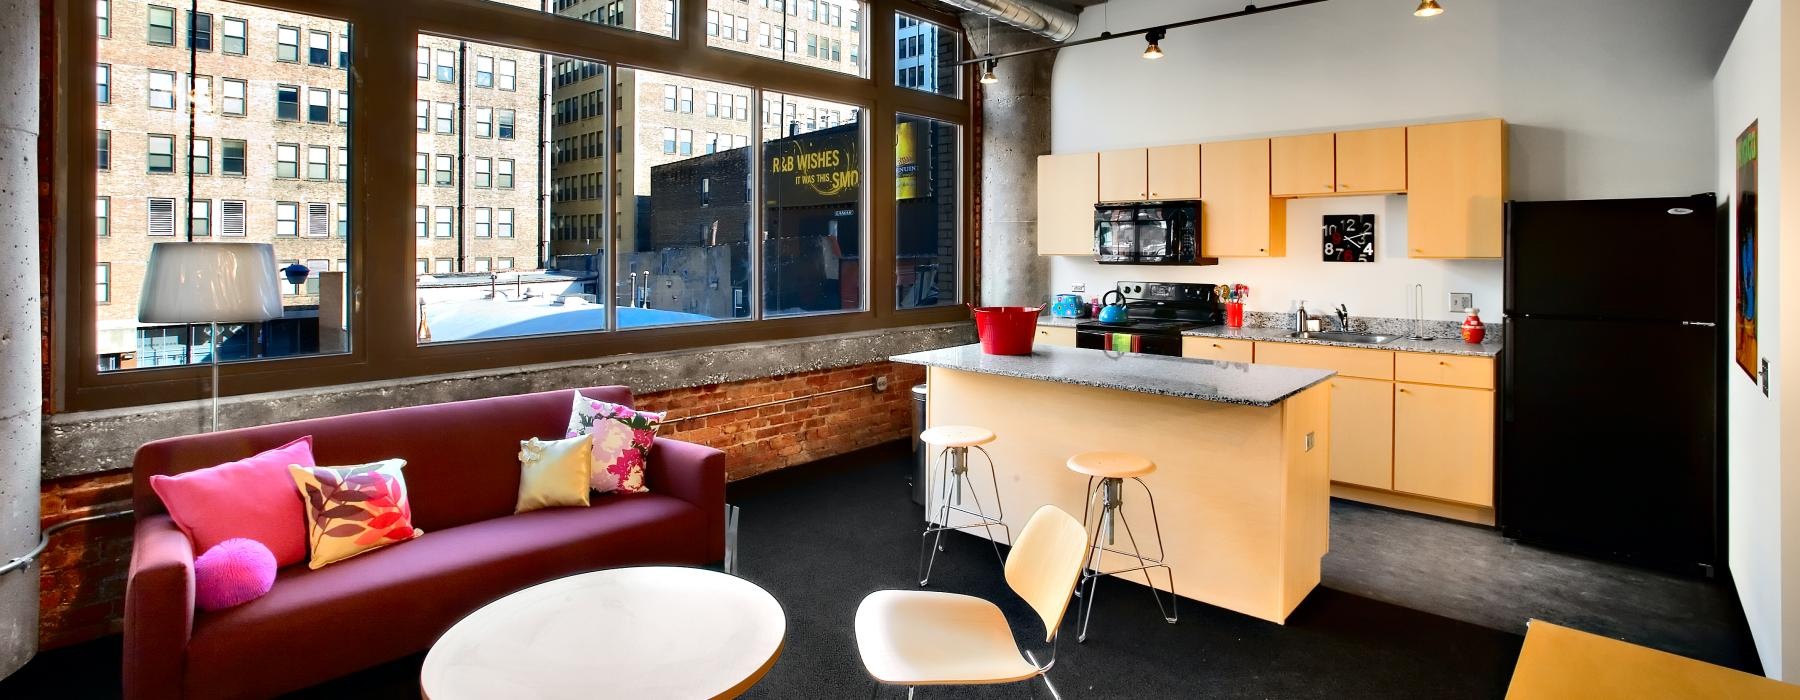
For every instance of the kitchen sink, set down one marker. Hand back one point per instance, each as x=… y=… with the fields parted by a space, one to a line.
x=1343 y=337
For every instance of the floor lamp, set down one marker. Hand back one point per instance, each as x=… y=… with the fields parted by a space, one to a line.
x=210 y=283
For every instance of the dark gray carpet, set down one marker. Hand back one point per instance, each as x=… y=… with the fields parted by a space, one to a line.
x=1473 y=574
x=1388 y=623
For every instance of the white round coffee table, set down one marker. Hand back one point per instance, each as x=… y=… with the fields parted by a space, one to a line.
x=639 y=632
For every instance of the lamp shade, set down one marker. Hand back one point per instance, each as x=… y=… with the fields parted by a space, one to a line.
x=210 y=283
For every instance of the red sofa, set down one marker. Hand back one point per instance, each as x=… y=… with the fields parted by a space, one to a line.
x=462 y=475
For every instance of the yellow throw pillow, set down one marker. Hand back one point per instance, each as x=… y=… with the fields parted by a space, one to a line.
x=351 y=510
x=554 y=473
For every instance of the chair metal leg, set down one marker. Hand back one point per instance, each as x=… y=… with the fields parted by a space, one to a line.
x=927 y=546
x=731 y=538
x=1112 y=508
x=1086 y=505
x=1091 y=577
x=953 y=482
x=987 y=527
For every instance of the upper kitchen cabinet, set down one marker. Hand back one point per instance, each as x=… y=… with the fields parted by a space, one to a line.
x=1068 y=186
x=1371 y=161
x=1239 y=217
x=1456 y=184
x=1124 y=175
x=1173 y=172
x=1302 y=165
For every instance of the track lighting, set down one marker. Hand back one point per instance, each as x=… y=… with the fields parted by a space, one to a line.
x=1428 y=8
x=987 y=72
x=1153 y=52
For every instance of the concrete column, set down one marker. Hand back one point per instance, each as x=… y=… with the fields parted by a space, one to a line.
x=21 y=385
x=1015 y=116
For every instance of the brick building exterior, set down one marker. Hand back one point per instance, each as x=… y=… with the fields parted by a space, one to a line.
x=271 y=156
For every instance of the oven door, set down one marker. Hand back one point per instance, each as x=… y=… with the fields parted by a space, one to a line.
x=1169 y=345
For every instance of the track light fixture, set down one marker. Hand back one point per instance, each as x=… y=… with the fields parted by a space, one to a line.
x=987 y=72
x=1428 y=8
x=1153 y=52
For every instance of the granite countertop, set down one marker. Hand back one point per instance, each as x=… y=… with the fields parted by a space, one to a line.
x=1453 y=346
x=1207 y=380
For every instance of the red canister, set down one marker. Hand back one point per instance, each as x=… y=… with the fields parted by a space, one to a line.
x=1473 y=330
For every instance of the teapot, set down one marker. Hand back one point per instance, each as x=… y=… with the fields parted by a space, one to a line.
x=1112 y=313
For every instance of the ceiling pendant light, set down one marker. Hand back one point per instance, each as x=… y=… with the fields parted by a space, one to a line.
x=1428 y=8
x=1153 y=52
x=987 y=72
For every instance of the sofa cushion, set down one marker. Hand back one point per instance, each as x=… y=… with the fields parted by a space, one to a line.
x=251 y=498
x=622 y=439
x=393 y=602
x=352 y=510
x=554 y=473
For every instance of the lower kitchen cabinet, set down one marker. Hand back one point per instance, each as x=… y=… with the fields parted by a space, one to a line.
x=1224 y=349
x=1055 y=335
x=1444 y=442
x=1362 y=432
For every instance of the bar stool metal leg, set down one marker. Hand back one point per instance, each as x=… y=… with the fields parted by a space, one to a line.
x=1110 y=492
x=953 y=482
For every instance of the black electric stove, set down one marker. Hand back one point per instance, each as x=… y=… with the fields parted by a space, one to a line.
x=1155 y=315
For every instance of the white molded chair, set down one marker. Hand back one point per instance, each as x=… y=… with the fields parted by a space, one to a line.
x=915 y=638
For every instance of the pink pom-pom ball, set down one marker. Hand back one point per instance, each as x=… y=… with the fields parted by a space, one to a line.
x=232 y=573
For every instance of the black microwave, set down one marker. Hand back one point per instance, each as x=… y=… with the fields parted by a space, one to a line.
x=1149 y=233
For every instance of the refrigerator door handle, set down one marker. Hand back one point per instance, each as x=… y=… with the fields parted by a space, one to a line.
x=1506 y=377
x=1706 y=324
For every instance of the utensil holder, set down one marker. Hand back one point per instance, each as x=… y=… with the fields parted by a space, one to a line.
x=1234 y=314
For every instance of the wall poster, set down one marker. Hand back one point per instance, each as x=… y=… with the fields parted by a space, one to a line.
x=1745 y=318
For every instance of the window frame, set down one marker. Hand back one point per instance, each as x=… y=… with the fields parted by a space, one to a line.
x=383 y=346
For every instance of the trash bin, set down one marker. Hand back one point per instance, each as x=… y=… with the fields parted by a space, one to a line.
x=921 y=453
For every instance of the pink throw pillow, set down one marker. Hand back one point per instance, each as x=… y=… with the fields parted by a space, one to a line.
x=622 y=439
x=253 y=498
x=233 y=573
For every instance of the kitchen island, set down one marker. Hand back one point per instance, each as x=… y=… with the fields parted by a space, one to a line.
x=1241 y=486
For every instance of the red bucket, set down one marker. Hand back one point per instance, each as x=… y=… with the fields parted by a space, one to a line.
x=1006 y=330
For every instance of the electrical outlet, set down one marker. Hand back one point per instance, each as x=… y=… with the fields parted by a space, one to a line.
x=1078 y=287
x=1461 y=301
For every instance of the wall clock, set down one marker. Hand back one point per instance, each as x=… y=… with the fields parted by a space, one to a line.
x=1348 y=238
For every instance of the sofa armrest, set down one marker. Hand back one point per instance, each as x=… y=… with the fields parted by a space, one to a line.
x=696 y=474
x=159 y=610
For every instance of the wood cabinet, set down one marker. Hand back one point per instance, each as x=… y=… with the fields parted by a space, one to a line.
x=1454 y=370
x=1456 y=184
x=1173 y=172
x=1444 y=442
x=1124 y=175
x=1371 y=161
x=1224 y=349
x=1067 y=188
x=1408 y=430
x=1350 y=362
x=1239 y=217
x=1302 y=165
x=1055 y=335
x=1362 y=432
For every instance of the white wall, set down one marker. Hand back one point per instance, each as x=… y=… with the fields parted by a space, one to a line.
x=1746 y=91
x=1606 y=98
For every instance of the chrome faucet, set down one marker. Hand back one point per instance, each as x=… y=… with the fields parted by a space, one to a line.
x=1343 y=318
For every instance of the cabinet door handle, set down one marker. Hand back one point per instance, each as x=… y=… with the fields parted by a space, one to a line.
x=1442 y=363
x=1401 y=390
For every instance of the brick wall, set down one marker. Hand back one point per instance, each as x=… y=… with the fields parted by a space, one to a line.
x=83 y=571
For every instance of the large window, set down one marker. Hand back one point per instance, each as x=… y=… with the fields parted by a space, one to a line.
x=812 y=192
x=562 y=207
x=268 y=128
x=680 y=259
x=812 y=33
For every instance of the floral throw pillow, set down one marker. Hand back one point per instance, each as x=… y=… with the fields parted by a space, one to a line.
x=351 y=510
x=622 y=440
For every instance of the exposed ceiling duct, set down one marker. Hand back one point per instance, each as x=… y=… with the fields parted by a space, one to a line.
x=1034 y=16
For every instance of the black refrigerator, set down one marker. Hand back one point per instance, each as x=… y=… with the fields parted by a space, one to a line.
x=1612 y=410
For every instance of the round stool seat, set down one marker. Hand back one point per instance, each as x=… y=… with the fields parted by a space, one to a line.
x=1111 y=465
x=957 y=436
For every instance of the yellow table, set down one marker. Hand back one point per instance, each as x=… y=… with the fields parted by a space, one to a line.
x=1558 y=663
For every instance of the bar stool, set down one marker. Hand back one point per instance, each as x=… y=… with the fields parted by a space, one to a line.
x=955 y=441
x=1112 y=469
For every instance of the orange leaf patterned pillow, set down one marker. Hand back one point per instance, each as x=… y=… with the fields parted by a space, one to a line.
x=351 y=510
